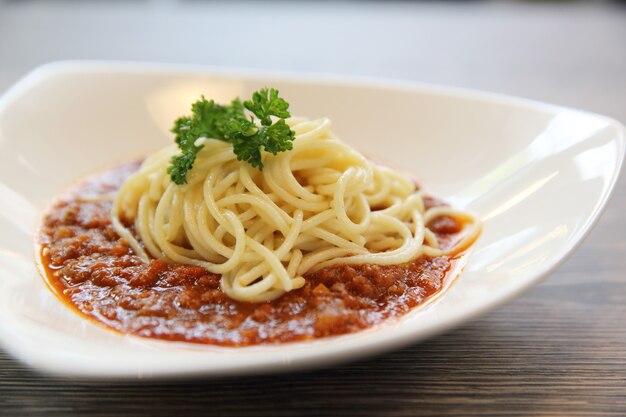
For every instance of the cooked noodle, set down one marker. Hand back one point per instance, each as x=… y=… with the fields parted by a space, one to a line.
x=320 y=204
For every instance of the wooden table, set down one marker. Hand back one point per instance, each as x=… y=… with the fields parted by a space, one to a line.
x=558 y=350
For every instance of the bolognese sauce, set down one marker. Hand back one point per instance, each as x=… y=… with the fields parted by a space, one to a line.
x=96 y=272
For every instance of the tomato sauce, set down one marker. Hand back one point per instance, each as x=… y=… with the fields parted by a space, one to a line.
x=95 y=272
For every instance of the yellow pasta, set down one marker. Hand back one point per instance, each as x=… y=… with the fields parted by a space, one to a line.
x=320 y=204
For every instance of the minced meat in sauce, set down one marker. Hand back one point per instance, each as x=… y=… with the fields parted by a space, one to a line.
x=95 y=271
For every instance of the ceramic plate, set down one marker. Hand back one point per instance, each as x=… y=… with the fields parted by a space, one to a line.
x=538 y=175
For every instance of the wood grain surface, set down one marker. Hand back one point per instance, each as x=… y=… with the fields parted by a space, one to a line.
x=559 y=350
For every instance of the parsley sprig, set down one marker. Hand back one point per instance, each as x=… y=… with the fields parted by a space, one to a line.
x=230 y=123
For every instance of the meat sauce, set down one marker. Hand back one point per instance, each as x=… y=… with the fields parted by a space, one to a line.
x=95 y=272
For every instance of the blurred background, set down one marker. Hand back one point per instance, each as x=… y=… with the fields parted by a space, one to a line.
x=570 y=53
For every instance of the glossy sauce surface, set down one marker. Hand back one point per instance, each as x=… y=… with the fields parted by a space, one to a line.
x=95 y=272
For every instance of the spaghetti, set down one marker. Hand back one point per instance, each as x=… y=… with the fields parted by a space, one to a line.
x=320 y=204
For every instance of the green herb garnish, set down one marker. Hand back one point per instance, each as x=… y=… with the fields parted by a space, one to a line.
x=231 y=124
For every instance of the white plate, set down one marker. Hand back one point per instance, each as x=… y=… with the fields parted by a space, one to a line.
x=538 y=175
